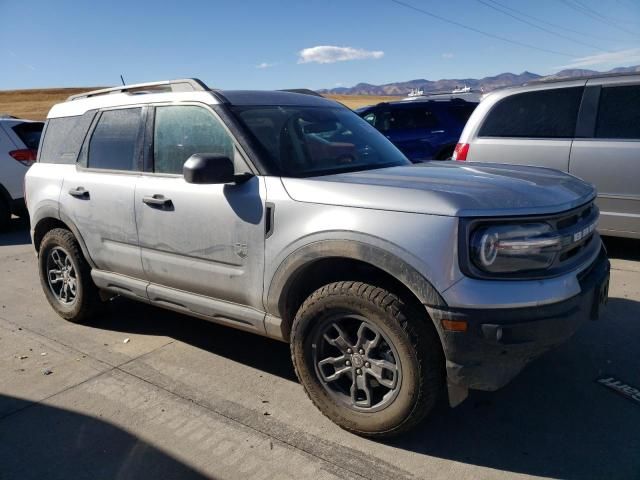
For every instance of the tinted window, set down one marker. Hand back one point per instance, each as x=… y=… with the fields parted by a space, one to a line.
x=113 y=143
x=63 y=138
x=303 y=141
x=29 y=133
x=370 y=118
x=181 y=131
x=619 y=112
x=542 y=114
x=462 y=112
x=406 y=119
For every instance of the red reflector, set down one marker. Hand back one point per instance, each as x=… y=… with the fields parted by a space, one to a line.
x=25 y=156
x=461 y=151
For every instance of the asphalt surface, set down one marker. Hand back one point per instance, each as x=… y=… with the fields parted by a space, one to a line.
x=183 y=398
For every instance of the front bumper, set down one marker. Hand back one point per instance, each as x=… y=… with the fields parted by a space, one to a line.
x=499 y=342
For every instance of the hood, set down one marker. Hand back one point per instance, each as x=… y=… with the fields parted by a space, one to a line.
x=462 y=189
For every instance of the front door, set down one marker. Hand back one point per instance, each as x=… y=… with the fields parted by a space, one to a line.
x=206 y=240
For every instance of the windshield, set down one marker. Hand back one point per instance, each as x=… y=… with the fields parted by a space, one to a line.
x=301 y=141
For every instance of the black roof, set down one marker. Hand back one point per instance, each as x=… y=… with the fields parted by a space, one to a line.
x=265 y=97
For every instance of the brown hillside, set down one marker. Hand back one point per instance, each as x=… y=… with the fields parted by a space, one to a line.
x=34 y=104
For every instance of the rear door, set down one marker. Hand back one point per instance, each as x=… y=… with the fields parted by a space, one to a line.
x=529 y=128
x=206 y=241
x=98 y=193
x=608 y=154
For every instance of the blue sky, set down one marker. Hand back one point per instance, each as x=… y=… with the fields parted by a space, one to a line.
x=275 y=44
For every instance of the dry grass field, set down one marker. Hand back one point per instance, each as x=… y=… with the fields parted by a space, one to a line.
x=34 y=104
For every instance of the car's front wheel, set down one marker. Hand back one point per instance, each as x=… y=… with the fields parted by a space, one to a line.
x=65 y=276
x=367 y=360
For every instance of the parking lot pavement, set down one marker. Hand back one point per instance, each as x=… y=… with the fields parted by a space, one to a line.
x=183 y=398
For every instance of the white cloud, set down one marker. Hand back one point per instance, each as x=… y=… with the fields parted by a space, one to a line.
x=266 y=65
x=332 y=54
x=614 y=59
x=447 y=55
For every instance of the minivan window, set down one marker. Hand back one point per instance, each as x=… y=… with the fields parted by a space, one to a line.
x=619 y=112
x=114 y=140
x=182 y=130
x=539 y=114
x=63 y=138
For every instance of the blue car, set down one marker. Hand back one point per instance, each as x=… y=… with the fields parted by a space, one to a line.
x=423 y=129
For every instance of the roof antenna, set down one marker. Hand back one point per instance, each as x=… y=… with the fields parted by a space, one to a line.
x=122 y=80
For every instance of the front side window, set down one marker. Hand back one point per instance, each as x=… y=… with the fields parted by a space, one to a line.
x=114 y=140
x=301 y=141
x=370 y=118
x=619 y=112
x=182 y=130
x=540 y=114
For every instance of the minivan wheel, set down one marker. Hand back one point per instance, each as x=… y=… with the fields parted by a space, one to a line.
x=367 y=359
x=65 y=276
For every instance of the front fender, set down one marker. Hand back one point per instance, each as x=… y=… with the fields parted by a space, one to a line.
x=378 y=257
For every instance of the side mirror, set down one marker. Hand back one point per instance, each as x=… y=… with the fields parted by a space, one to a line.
x=208 y=168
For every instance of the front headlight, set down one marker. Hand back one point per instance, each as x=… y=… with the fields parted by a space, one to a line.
x=513 y=248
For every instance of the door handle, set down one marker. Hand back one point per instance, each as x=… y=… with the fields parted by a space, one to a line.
x=437 y=131
x=79 y=192
x=157 y=200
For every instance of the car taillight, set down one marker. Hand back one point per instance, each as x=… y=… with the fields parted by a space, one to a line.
x=461 y=151
x=25 y=156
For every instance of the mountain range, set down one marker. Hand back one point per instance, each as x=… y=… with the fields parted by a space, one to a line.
x=485 y=84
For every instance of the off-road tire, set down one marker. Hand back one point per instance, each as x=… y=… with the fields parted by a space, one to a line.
x=87 y=298
x=415 y=340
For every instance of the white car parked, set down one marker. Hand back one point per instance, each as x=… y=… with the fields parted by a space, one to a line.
x=19 y=141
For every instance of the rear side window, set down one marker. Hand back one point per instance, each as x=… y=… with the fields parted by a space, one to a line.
x=29 y=133
x=63 y=138
x=114 y=140
x=619 y=112
x=407 y=119
x=461 y=113
x=541 y=114
x=180 y=131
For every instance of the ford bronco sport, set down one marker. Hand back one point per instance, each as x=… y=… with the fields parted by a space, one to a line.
x=289 y=216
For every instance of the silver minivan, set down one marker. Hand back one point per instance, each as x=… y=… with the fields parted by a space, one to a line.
x=589 y=127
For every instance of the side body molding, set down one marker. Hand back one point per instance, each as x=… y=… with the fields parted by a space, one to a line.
x=288 y=273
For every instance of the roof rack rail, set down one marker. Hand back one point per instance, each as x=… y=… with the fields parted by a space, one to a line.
x=303 y=91
x=591 y=76
x=180 y=85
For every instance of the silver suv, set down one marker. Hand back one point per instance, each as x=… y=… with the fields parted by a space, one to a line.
x=589 y=127
x=289 y=216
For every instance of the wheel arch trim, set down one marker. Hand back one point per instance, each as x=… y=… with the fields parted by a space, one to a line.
x=286 y=273
x=52 y=211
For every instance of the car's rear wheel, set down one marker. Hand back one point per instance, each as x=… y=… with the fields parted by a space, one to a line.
x=65 y=276
x=367 y=359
